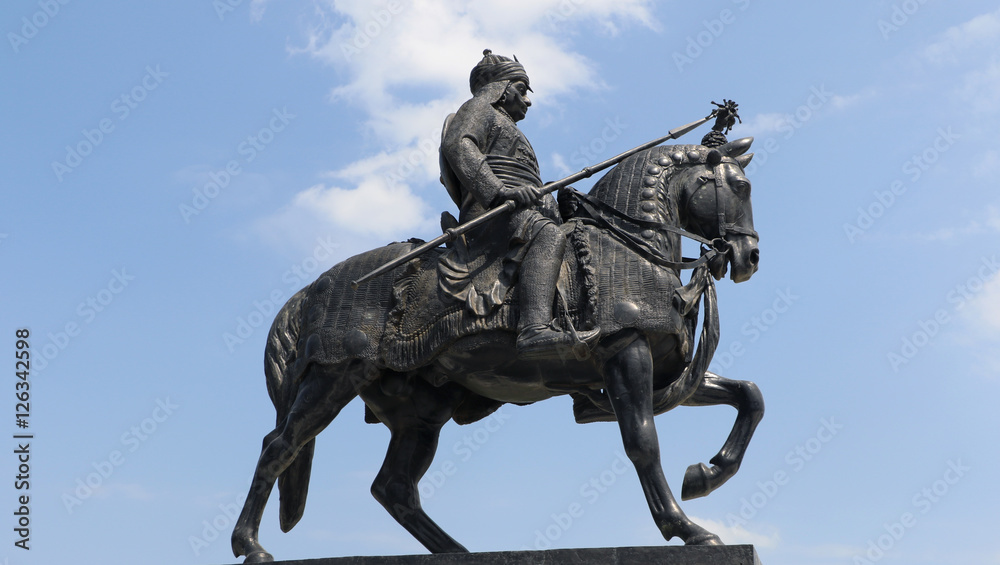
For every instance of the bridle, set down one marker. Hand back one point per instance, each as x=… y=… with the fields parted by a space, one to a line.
x=597 y=211
x=718 y=178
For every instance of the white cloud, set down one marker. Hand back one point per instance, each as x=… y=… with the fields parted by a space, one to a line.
x=952 y=233
x=417 y=164
x=989 y=165
x=842 y=102
x=971 y=46
x=761 y=124
x=132 y=491
x=737 y=534
x=984 y=308
x=980 y=312
x=387 y=541
x=983 y=30
x=988 y=225
x=257 y=10
x=981 y=88
x=374 y=208
x=993 y=218
x=436 y=42
x=559 y=162
x=408 y=64
x=776 y=122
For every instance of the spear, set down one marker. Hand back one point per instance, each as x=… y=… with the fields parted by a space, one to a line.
x=451 y=234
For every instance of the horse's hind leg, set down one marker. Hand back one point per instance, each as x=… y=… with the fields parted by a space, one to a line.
x=319 y=399
x=415 y=419
x=700 y=479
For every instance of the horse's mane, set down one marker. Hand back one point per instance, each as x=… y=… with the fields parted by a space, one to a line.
x=626 y=186
x=639 y=185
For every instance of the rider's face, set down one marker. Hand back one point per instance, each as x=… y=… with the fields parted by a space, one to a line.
x=516 y=100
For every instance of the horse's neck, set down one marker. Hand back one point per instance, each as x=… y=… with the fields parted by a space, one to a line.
x=641 y=187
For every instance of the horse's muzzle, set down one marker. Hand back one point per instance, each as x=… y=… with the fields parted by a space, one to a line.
x=744 y=257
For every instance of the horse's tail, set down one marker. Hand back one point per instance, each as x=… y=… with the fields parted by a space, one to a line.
x=280 y=355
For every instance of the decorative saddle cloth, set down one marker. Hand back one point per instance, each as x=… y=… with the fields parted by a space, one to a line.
x=401 y=320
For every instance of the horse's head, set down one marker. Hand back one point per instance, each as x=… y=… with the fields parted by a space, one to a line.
x=715 y=204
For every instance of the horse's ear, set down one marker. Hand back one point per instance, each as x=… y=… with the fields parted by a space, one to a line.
x=744 y=160
x=736 y=148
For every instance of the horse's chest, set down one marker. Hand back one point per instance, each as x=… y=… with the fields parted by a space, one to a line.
x=619 y=289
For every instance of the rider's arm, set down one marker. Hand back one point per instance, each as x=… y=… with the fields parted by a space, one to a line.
x=463 y=146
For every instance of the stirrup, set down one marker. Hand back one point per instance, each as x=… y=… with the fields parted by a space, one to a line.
x=541 y=340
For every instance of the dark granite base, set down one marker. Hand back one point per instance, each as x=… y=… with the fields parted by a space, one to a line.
x=667 y=555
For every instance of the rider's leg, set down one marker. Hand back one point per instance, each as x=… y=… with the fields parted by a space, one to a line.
x=539 y=274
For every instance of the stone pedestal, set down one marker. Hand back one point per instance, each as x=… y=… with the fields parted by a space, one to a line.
x=667 y=555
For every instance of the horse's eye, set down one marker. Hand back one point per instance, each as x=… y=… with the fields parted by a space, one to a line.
x=742 y=188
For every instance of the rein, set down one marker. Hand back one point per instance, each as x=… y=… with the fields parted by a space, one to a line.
x=597 y=212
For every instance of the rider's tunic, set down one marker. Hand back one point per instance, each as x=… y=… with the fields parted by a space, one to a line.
x=484 y=151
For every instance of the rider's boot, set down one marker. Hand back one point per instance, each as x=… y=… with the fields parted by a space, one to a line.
x=538 y=334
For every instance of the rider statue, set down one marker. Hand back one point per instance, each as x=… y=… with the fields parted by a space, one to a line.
x=486 y=160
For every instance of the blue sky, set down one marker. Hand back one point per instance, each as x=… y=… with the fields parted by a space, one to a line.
x=872 y=325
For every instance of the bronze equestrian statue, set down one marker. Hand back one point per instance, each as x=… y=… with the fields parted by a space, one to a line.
x=539 y=299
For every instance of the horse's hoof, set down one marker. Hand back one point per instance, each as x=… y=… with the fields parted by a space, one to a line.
x=704 y=538
x=696 y=482
x=259 y=557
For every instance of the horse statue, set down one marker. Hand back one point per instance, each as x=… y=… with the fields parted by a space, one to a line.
x=418 y=362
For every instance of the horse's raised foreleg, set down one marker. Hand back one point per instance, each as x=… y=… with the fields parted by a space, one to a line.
x=700 y=479
x=628 y=378
x=415 y=420
x=320 y=398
